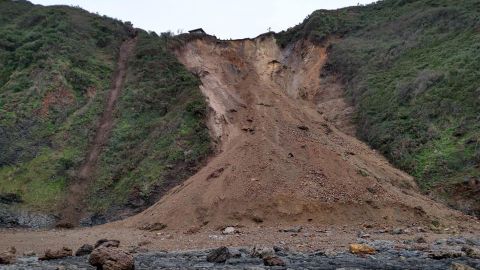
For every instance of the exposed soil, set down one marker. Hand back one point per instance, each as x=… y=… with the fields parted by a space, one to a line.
x=74 y=205
x=284 y=159
x=310 y=238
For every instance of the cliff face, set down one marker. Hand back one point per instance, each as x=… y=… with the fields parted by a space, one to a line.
x=410 y=69
x=280 y=118
x=280 y=160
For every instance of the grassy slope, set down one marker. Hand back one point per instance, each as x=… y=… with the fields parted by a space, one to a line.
x=160 y=136
x=56 y=65
x=411 y=67
x=55 y=69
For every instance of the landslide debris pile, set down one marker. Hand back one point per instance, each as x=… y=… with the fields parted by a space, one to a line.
x=411 y=70
x=280 y=158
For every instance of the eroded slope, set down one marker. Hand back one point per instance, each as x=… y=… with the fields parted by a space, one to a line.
x=280 y=159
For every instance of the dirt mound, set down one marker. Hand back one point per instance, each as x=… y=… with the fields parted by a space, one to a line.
x=282 y=157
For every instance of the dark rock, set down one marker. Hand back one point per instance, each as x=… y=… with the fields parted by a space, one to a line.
x=56 y=254
x=273 y=261
x=11 y=217
x=293 y=230
x=419 y=211
x=193 y=230
x=84 y=250
x=64 y=225
x=445 y=254
x=235 y=253
x=400 y=231
x=107 y=243
x=278 y=249
x=93 y=220
x=472 y=252
x=219 y=255
x=8 y=257
x=262 y=252
x=473 y=242
x=10 y=198
x=216 y=173
x=111 y=258
x=460 y=266
x=135 y=198
x=257 y=219
x=157 y=226
x=136 y=249
x=363 y=235
x=303 y=128
x=420 y=240
x=440 y=242
x=391 y=257
x=456 y=241
x=251 y=130
x=144 y=243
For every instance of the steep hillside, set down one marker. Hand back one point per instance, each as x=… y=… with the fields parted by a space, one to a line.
x=411 y=70
x=56 y=70
x=281 y=160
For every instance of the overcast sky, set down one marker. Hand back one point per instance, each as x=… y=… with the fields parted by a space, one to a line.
x=223 y=18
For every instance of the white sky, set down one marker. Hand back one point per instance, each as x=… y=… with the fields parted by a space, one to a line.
x=223 y=18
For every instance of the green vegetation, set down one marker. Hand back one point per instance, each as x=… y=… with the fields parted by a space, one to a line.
x=412 y=69
x=159 y=136
x=56 y=67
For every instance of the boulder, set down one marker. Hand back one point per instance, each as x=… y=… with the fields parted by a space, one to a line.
x=420 y=240
x=111 y=258
x=144 y=243
x=459 y=266
x=8 y=257
x=472 y=252
x=56 y=254
x=445 y=254
x=273 y=261
x=10 y=198
x=297 y=229
x=219 y=255
x=193 y=230
x=400 y=231
x=361 y=249
x=107 y=243
x=64 y=225
x=229 y=230
x=157 y=226
x=262 y=252
x=84 y=250
x=302 y=127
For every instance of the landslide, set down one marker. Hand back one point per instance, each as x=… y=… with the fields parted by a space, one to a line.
x=411 y=70
x=284 y=153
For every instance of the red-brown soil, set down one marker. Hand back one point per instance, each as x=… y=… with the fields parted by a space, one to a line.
x=285 y=158
x=281 y=158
